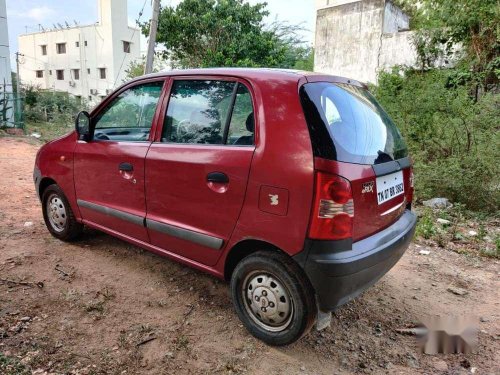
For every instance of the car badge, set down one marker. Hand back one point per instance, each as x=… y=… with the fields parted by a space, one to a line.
x=274 y=199
x=368 y=187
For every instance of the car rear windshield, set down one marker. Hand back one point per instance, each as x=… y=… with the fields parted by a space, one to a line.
x=347 y=124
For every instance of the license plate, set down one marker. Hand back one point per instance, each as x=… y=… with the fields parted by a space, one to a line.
x=389 y=187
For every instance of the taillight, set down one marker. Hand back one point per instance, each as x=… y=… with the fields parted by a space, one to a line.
x=333 y=208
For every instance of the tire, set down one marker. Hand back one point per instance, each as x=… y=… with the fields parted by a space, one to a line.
x=273 y=298
x=58 y=216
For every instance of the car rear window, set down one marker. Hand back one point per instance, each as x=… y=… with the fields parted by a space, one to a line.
x=347 y=124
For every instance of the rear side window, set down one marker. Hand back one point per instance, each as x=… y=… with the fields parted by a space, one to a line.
x=241 y=129
x=209 y=112
x=347 y=124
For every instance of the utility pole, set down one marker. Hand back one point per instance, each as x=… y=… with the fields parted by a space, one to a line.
x=148 y=68
x=18 y=89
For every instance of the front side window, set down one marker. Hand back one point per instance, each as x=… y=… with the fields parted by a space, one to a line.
x=102 y=73
x=130 y=115
x=76 y=74
x=44 y=49
x=200 y=111
x=60 y=74
x=347 y=124
x=39 y=74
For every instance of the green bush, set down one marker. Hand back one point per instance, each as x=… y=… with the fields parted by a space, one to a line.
x=48 y=106
x=453 y=139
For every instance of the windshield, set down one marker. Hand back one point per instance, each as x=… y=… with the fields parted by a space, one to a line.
x=347 y=124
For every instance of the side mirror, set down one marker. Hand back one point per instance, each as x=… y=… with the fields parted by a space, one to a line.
x=82 y=126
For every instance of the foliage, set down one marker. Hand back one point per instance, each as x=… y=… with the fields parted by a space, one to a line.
x=216 y=33
x=12 y=366
x=453 y=140
x=136 y=69
x=45 y=105
x=471 y=24
x=425 y=225
x=304 y=59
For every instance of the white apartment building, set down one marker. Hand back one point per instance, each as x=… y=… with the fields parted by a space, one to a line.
x=86 y=61
x=5 y=76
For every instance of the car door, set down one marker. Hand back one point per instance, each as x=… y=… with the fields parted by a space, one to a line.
x=197 y=170
x=109 y=169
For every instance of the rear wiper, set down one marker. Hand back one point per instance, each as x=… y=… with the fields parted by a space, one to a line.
x=383 y=157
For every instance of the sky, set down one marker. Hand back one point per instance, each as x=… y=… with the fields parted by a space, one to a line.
x=26 y=15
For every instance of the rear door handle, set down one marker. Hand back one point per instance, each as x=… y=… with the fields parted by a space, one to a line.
x=126 y=167
x=218 y=177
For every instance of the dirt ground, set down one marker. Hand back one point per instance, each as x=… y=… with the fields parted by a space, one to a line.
x=107 y=307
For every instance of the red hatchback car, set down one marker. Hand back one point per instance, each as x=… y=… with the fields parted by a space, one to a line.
x=295 y=186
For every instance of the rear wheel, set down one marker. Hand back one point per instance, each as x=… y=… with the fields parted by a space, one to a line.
x=273 y=298
x=58 y=216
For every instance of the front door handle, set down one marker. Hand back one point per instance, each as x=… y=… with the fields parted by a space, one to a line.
x=218 y=177
x=126 y=167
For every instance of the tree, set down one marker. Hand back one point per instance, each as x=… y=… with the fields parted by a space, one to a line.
x=471 y=24
x=215 y=33
x=304 y=59
x=134 y=69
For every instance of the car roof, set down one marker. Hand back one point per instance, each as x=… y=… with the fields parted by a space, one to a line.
x=255 y=74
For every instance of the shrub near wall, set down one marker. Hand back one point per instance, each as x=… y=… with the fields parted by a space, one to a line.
x=49 y=106
x=453 y=140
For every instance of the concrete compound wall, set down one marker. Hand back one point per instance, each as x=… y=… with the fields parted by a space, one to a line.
x=358 y=39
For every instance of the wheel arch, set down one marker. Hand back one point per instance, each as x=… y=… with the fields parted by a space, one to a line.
x=44 y=184
x=244 y=248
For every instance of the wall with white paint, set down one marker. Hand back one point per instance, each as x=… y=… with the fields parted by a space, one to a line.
x=88 y=49
x=5 y=69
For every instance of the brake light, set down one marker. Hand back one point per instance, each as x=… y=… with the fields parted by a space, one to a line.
x=333 y=208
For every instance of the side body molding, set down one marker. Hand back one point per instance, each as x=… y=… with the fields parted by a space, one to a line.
x=171 y=230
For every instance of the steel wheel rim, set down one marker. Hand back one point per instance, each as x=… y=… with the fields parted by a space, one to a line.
x=56 y=213
x=267 y=301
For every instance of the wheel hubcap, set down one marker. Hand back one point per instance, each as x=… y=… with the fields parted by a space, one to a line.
x=267 y=301
x=56 y=213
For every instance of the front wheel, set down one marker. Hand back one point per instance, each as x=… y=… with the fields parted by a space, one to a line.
x=58 y=216
x=273 y=298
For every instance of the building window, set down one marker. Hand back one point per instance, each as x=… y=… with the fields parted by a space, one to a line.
x=88 y=71
x=60 y=74
x=77 y=44
x=44 y=49
x=85 y=43
x=126 y=47
x=76 y=74
x=39 y=74
x=50 y=72
x=61 y=48
x=102 y=73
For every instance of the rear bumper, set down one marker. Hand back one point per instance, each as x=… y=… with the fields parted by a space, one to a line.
x=339 y=270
